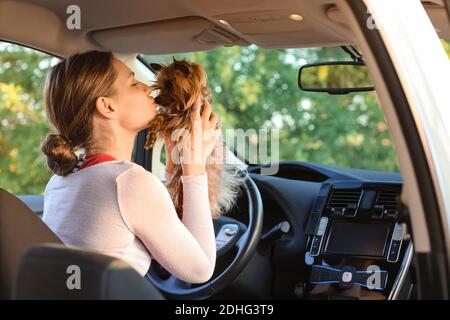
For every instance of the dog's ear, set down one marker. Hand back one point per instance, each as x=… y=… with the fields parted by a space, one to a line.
x=180 y=65
x=156 y=67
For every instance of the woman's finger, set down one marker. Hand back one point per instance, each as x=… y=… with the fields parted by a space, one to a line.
x=206 y=111
x=217 y=133
x=198 y=104
x=195 y=115
x=213 y=120
x=196 y=109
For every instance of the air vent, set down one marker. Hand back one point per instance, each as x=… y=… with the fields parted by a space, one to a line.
x=344 y=198
x=387 y=200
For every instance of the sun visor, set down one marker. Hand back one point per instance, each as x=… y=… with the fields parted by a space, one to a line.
x=434 y=8
x=179 y=35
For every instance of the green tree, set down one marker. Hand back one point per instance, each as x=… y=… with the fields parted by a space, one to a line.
x=23 y=124
x=257 y=88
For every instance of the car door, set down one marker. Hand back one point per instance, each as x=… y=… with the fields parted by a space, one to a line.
x=409 y=67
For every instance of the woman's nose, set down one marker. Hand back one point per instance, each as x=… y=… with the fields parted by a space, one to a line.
x=147 y=88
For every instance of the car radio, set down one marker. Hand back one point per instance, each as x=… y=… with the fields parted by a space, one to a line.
x=375 y=240
x=356 y=222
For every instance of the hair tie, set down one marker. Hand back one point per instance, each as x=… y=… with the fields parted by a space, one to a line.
x=81 y=160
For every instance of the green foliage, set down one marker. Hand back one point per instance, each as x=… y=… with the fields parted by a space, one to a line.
x=252 y=88
x=23 y=124
x=257 y=88
x=446 y=45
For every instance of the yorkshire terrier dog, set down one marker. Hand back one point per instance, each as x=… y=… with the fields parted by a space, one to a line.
x=180 y=85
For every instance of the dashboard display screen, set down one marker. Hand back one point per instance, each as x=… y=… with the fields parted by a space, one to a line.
x=362 y=239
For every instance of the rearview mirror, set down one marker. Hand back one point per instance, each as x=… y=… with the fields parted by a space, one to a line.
x=339 y=77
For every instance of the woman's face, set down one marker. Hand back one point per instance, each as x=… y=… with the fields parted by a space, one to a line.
x=135 y=106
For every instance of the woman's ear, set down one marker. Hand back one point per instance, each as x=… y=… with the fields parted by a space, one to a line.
x=106 y=107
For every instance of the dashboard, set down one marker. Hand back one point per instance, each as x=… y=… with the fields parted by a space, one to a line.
x=348 y=236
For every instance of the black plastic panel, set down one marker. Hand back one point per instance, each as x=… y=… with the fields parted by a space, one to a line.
x=358 y=239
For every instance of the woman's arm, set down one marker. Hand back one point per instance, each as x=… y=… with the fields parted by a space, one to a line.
x=184 y=248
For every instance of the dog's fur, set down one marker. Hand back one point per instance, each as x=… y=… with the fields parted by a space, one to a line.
x=180 y=85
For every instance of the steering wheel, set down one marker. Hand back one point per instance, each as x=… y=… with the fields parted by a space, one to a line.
x=230 y=235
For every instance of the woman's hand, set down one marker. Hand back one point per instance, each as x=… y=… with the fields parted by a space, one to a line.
x=200 y=142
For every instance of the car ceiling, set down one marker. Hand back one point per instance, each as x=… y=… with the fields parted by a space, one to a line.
x=174 y=26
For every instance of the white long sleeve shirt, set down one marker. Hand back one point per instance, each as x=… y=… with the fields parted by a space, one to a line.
x=120 y=209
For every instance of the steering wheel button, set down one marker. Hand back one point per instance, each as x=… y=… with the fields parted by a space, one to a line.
x=229 y=231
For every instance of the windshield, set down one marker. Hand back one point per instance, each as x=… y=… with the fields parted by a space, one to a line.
x=256 y=89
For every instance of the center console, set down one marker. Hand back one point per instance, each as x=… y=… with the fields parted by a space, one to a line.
x=359 y=247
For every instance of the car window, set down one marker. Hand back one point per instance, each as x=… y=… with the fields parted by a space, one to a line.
x=446 y=45
x=256 y=89
x=23 y=125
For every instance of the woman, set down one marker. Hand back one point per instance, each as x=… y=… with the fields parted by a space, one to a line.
x=103 y=201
